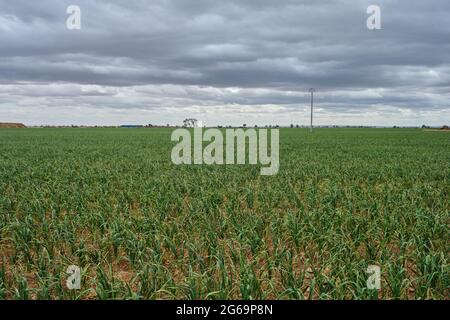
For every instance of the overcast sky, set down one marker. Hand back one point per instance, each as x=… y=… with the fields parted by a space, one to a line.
x=225 y=62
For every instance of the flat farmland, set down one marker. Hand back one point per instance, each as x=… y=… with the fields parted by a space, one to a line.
x=139 y=227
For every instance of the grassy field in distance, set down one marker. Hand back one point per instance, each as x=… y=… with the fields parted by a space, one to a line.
x=111 y=202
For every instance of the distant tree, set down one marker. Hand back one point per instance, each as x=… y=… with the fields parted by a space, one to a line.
x=190 y=122
x=292 y=125
x=244 y=125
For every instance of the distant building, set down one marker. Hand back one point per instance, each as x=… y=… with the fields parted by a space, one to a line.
x=131 y=126
x=11 y=125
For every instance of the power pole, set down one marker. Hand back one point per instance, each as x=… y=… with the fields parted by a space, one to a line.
x=312 y=107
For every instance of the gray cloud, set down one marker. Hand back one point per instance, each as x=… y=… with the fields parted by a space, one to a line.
x=166 y=59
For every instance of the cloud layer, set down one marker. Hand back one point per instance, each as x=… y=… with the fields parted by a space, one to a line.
x=225 y=61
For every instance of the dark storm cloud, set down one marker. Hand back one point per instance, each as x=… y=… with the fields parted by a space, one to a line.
x=267 y=48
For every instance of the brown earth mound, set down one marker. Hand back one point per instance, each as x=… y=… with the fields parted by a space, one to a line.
x=11 y=125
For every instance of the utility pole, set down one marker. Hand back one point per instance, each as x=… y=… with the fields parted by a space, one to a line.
x=312 y=90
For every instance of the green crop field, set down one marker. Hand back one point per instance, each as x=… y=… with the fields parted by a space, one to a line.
x=111 y=202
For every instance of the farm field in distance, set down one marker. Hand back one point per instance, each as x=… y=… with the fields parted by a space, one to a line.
x=111 y=202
